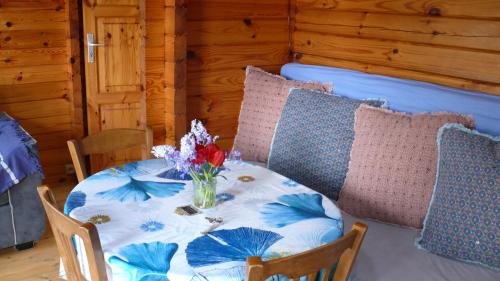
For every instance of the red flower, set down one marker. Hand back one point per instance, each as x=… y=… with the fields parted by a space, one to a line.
x=211 y=153
x=211 y=149
x=199 y=147
x=201 y=155
x=217 y=158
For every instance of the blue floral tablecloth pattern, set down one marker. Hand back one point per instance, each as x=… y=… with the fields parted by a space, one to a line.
x=143 y=239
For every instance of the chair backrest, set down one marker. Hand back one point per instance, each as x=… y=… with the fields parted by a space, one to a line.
x=316 y=264
x=64 y=228
x=108 y=141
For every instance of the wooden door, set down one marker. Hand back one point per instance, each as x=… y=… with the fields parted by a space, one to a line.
x=115 y=80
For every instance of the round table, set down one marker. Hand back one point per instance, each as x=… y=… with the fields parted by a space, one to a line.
x=143 y=238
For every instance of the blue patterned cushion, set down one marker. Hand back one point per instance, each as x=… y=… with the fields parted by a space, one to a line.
x=463 y=217
x=313 y=139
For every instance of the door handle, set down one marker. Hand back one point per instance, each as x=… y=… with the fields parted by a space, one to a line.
x=90 y=47
x=96 y=44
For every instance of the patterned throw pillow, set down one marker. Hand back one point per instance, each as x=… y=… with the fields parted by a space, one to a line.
x=264 y=99
x=313 y=139
x=463 y=221
x=393 y=164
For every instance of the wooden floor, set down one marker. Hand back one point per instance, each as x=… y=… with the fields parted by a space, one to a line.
x=40 y=262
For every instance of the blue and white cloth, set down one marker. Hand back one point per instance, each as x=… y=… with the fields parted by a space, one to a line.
x=264 y=213
x=17 y=160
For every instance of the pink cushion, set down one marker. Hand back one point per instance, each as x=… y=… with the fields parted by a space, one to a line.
x=263 y=101
x=393 y=164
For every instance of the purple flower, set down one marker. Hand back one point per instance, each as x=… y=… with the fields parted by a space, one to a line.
x=183 y=166
x=199 y=131
x=188 y=147
x=235 y=155
x=182 y=158
x=171 y=152
x=168 y=152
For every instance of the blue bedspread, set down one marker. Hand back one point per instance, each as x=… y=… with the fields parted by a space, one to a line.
x=17 y=159
x=402 y=94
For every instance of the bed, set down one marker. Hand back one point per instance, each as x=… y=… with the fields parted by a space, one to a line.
x=388 y=252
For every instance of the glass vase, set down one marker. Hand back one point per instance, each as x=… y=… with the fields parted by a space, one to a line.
x=204 y=192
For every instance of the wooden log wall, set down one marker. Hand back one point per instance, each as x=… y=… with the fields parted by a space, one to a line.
x=40 y=83
x=166 y=69
x=455 y=43
x=195 y=63
x=155 y=68
x=223 y=37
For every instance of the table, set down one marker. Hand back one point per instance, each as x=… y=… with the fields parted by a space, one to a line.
x=264 y=213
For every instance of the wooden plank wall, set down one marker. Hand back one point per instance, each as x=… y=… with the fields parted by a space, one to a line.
x=40 y=75
x=224 y=36
x=155 y=68
x=165 y=69
x=175 y=67
x=40 y=83
x=455 y=43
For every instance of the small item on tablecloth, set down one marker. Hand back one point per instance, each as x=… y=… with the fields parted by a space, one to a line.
x=187 y=210
x=215 y=222
x=246 y=178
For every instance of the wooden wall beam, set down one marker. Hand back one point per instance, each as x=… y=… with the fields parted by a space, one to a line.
x=446 y=8
x=446 y=61
x=456 y=32
x=214 y=57
x=264 y=31
x=237 y=10
x=155 y=69
x=73 y=62
x=175 y=70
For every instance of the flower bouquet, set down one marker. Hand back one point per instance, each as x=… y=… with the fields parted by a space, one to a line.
x=200 y=158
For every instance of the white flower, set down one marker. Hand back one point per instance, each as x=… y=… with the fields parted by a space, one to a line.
x=159 y=151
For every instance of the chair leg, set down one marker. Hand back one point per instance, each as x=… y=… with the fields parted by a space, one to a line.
x=25 y=246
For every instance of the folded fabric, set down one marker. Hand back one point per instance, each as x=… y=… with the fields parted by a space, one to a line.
x=393 y=164
x=463 y=217
x=17 y=161
x=263 y=101
x=313 y=139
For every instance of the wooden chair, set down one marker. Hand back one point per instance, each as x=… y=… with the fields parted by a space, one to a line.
x=342 y=252
x=107 y=141
x=63 y=228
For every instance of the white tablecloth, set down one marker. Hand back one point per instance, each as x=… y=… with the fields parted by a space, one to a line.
x=264 y=213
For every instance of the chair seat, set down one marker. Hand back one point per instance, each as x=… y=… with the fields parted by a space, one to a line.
x=388 y=253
